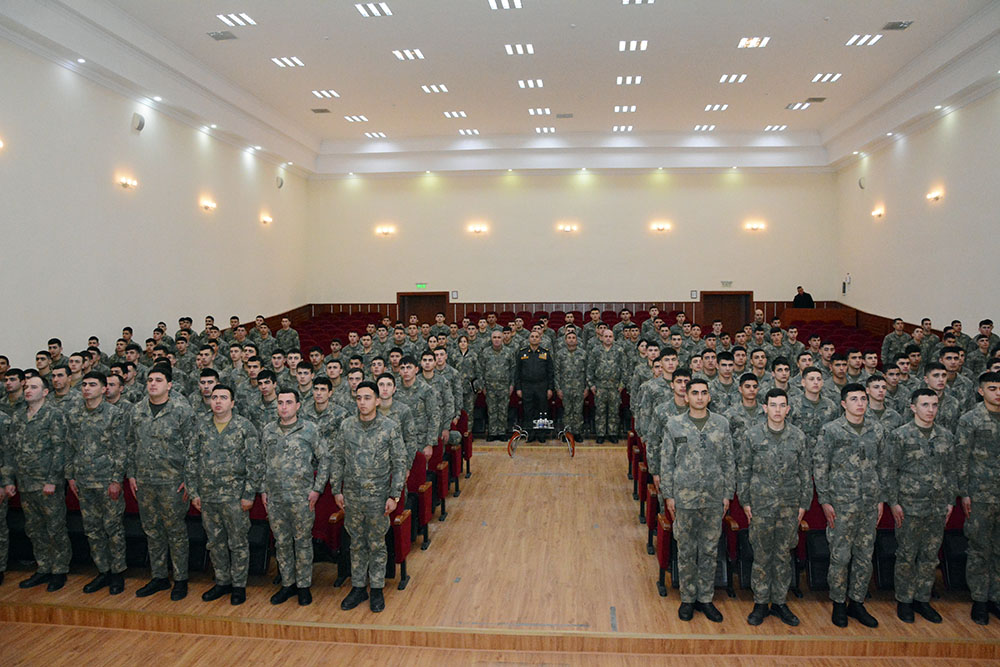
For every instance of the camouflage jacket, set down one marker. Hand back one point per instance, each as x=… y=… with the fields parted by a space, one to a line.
x=8 y=408
x=160 y=447
x=403 y=416
x=426 y=413
x=742 y=420
x=774 y=469
x=697 y=468
x=466 y=365
x=606 y=367
x=227 y=465
x=296 y=462
x=287 y=339
x=811 y=417
x=571 y=369
x=496 y=367
x=96 y=449
x=848 y=467
x=659 y=413
x=920 y=470
x=723 y=396
x=370 y=460
x=652 y=392
x=36 y=448
x=978 y=452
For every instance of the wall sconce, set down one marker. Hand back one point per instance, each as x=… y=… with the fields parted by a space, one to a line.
x=567 y=227
x=265 y=219
x=660 y=226
x=755 y=226
x=1 y=144
x=208 y=205
x=879 y=212
x=478 y=228
x=385 y=230
x=935 y=195
x=128 y=183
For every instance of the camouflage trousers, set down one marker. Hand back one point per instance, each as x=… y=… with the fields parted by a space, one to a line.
x=469 y=403
x=606 y=403
x=227 y=528
x=367 y=524
x=572 y=401
x=917 y=544
x=4 y=535
x=774 y=532
x=697 y=533
x=104 y=526
x=497 y=402
x=292 y=522
x=852 y=540
x=982 y=571
x=45 y=524
x=162 y=511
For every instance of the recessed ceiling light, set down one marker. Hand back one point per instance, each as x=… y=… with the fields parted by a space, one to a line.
x=630 y=80
x=775 y=128
x=213 y=126
x=855 y=153
x=81 y=60
x=638 y=2
x=583 y=169
x=375 y=135
x=732 y=78
x=519 y=49
x=408 y=54
x=530 y=83
x=373 y=9
x=157 y=98
x=621 y=128
x=716 y=107
x=888 y=134
x=797 y=106
x=540 y=111
x=753 y=42
x=466 y=133
x=632 y=45
x=863 y=40
x=828 y=77
x=545 y=130
x=356 y=119
x=233 y=20
x=285 y=61
x=434 y=88
x=428 y=171
x=510 y=170
x=704 y=128
x=328 y=94
x=290 y=163
x=937 y=107
x=624 y=108
x=505 y=4
x=454 y=114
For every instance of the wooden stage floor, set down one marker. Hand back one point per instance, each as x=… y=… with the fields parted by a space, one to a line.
x=541 y=559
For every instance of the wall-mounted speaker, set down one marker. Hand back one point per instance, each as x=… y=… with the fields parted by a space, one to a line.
x=138 y=122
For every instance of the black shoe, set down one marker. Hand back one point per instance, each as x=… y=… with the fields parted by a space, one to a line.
x=238 y=596
x=904 y=612
x=39 y=578
x=56 y=581
x=711 y=613
x=993 y=608
x=116 y=583
x=1 y=576
x=686 y=611
x=757 y=615
x=599 y=441
x=216 y=592
x=612 y=440
x=857 y=610
x=284 y=593
x=305 y=596
x=354 y=598
x=839 y=616
x=180 y=590
x=97 y=583
x=927 y=611
x=980 y=613
x=277 y=579
x=154 y=586
x=377 y=601
x=785 y=614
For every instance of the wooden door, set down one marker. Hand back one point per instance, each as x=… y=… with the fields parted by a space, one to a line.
x=733 y=308
x=422 y=304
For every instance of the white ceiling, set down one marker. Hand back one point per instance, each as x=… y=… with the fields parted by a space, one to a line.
x=691 y=44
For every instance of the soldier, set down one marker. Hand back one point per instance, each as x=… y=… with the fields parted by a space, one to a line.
x=775 y=489
x=650 y=394
x=464 y=361
x=95 y=468
x=444 y=392
x=674 y=404
x=949 y=412
x=496 y=373
x=979 y=487
x=534 y=380
x=448 y=373
x=367 y=473
x=398 y=412
x=297 y=465
x=810 y=410
x=228 y=468
x=158 y=466
x=747 y=413
x=724 y=389
x=896 y=340
x=922 y=486
x=287 y=338
x=201 y=402
x=876 y=386
x=417 y=395
x=698 y=476
x=570 y=380
x=13 y=382
x=34 y=466
x=847 y=462
x=605 y=371
x=4 y=532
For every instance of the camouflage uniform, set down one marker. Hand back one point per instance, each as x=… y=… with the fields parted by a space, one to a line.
x=496 y=373
x=921 y=479
x=741 y=419
x=655 y=423
x=811 y=417
x=297 y=461
x=894 y=344
x=979 y=479
x=698 y=472
x=160 y=461
x=652 y=392
x=419 y=397
x=774 y=473
x=724 y=396
x=605 y=371
x=949 y=412
x=571 y=380
x=4 y=480
x=8 y=408
x=288 y=339
x=227 y=467
x=847 y=469
x=887 y=417
x=445 y=391
x=370 y=461
x=96 y=459
x=466 y=365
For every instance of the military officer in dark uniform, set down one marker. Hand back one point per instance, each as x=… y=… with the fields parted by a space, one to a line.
x=534 y=380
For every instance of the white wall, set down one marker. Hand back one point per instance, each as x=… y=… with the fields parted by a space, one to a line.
x=82 y=256
x=613 y=257
x=927 y=259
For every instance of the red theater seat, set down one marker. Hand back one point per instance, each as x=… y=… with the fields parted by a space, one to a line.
x=663 y=535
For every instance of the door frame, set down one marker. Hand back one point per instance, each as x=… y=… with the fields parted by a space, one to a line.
x=704 y=293
x=401 y=295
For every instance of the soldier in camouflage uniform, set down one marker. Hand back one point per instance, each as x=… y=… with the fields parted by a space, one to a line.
x=775 y=488
x=417 y=395
x=848 y=470
x=228 y=469
x=571 y=381
x=496 y=373
x=398 y=412
x=464 y=361
x=724 y=389
x=4 y=533
x=367 y=472
x=698 y=478
x=979 y=486
x=650 y=393
x=158 y=466
x=95 y=468
x=287 y=338
x=895 y=341
x=747 y=413
x=949 y=411
x=921 y=489
x=297 y=465
x=673 y=404
x=890 y=419
x=809 y=409
x=35 y=463
x=13 y=381
x=605 y=377
x=448 y=373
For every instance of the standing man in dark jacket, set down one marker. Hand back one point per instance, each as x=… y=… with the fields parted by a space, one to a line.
x=534 y=380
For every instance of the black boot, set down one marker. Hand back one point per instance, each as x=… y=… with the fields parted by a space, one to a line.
x=857 y=610
x=686 y=611
x=757 y=615
x=613 y=439
x=39 y=578
x=377 y=601
x=284 y=593
x=927 y=611
x=180 y=590
x=56 y=581
x=305 y=596
x=277 y=579
x=785 y=614
x=216 y=592
x=238 y=596
x=154 y=586
x=839 y=616
x=354 y=598
x=1 y=576
x=116 y=583
x=599 y=440
x=97 y=583
x=904 y=611
x=711 y=613
x=993 y=608
x=980 y=613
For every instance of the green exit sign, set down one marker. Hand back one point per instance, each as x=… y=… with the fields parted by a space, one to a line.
x=421 y=285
